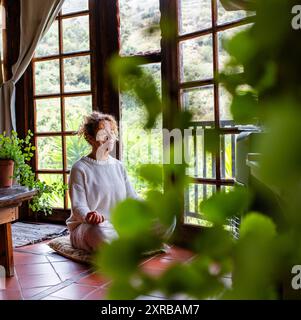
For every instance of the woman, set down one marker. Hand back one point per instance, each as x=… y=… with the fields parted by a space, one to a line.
x=97 y=182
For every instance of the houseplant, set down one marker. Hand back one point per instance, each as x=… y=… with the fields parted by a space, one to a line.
x=15 y=154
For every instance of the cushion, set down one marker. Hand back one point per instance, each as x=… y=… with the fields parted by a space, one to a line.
x=62 y=246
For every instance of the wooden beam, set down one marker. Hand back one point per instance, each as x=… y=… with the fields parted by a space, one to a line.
x=6 y=249
x=8 y=215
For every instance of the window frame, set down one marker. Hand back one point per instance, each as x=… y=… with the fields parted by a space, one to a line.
x=63 y=133
x=214 y=30
x=103 y=15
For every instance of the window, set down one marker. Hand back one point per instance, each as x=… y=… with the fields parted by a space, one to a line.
x=140 y=146
x=62 y=94
x=202 y=26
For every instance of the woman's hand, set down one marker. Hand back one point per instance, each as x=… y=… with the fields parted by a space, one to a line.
x=94 y=217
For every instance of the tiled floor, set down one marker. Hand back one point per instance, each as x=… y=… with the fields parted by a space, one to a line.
x=41 y=274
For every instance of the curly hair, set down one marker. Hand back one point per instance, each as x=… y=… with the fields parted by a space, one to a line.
x=90 y=124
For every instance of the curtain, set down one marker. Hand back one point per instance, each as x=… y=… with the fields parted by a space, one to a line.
x=36 y=18
x=232 y=5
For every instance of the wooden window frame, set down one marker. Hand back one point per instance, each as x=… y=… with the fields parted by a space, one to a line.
x=171 y=58
x=103 y=16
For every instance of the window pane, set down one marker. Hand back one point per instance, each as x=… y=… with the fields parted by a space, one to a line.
x=194 y=15
x=76 y=148
x=76 y=34
x=47 y=77
x=228 y=156
x=139 y=146
x=77 y=74
x=225 y=100
x=75 y=6
x=136 y=18
x=49 y=45
x=75 y=110
x=197 y=59
x=227 y=16
x=56 y=201
x=48 y=115
x=194 y=195
x=225 y=36
x=200 y=102
x=49 y=153
x=200 y=163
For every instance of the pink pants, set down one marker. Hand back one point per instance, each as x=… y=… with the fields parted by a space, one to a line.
x=88 y=237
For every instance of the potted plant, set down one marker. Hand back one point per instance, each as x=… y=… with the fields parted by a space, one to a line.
x=15 y=154
x=11 y=157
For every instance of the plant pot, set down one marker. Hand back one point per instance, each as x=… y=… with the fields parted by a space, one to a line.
x=6 y=173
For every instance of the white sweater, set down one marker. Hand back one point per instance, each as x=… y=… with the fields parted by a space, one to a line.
x=97 y=185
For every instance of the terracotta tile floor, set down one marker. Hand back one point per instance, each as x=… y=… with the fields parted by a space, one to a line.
x=41 y=274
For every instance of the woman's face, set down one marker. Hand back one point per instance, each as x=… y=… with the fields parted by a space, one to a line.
x=105 y=135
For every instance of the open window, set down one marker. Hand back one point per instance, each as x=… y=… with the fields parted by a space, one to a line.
x=138 y=145
x=202 y=26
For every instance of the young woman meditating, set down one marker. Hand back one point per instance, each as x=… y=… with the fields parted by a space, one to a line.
x=97 y=182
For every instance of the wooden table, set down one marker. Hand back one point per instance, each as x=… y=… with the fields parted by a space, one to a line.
x=10 y=200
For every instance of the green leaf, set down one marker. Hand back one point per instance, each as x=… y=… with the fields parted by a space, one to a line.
x=257 y=225
x=211 y=140
x=245 y=108
x=152 y=173
x=223 y=205
x=119 y=265
x=131 y=218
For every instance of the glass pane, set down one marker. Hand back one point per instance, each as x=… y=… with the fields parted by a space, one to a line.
x=49 y=153
x=75 y=110
x=228 y=156
x=56 y=201
x=139 y=146
x=227 y=16
x=194 y=15
x=77 y=74
x=223 y=56
x=136 y=18
x=76 y=148
x=200 y=102
x=75 y=6
x=47 y=77
x=197 y=59
x=200 y=163
x=225 y=100
x=194 y=195
x=49 y=45
x=48 y=115
x=76 y=34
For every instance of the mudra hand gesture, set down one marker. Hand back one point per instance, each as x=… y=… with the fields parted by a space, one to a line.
x=94 y=217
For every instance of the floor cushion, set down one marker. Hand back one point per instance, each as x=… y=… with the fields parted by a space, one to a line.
x=62 y=246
